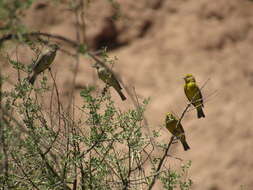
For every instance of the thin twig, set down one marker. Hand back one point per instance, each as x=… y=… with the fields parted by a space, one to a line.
x=160 y=164
x=24 y=172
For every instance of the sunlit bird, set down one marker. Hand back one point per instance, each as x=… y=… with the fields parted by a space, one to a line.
x=43 y=62
x=193 y=94
x=176 y=129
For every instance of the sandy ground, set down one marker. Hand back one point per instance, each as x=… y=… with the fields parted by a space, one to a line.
x=157 y=44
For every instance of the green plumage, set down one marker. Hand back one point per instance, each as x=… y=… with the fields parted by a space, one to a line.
x=193 y=94
x=176 y=130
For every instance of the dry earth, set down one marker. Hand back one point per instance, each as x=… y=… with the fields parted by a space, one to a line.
x=157 y=43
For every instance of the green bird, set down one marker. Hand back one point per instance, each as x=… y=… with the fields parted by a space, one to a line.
x=193 y=94
x=43 y=62
x=176 y=130
x=109 y=79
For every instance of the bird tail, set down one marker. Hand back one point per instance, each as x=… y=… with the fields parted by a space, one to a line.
x=185 y=145
x=200 y=112
x=32 y=79
x=122 y=96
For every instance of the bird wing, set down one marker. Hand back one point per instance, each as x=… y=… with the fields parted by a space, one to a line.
x=179 y=129
x=193 y=93
x=198 y=94
x=109 y=78
x=115 y=82
x=34 y=64
x=201 y=97
x=171 y=126
x=43 y=62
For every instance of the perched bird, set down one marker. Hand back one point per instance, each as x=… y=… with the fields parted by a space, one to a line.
x=176 y=129
x=193 y=94
x=108 y=77
x=43 y=62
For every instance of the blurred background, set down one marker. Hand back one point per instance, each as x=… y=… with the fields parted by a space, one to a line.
x=156 y=43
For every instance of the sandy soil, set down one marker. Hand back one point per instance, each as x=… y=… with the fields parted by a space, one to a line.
x=156 y=44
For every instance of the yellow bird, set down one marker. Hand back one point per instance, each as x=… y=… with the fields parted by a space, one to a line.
x=176 y=130
x=193 y=94
x=43 y=62
x=108 y=78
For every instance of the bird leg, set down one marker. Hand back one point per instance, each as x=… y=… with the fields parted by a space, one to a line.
x=105 y=89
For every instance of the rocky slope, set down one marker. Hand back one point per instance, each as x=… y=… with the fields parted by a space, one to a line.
x=157 y=43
